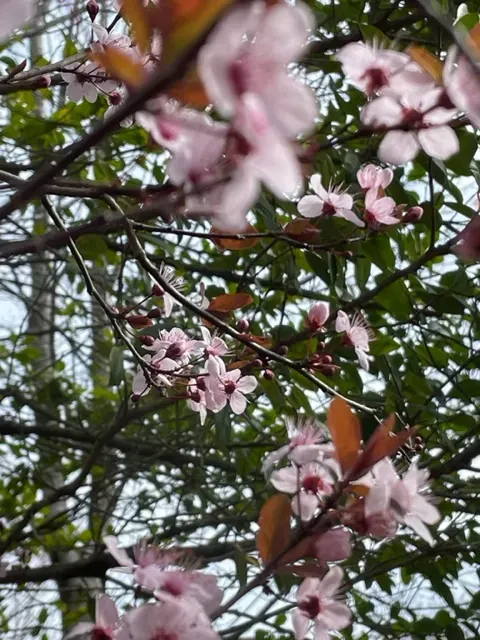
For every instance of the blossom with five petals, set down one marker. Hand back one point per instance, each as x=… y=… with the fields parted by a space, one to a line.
x=333 y=202
x=227 y=387
x=317 y=603
x=357 y=334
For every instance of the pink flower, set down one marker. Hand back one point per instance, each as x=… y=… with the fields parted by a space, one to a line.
x=13 y=14
x=198 y=399
x=332 y=546
x=316 y=603
x=108 y=40
x=106 y=624
x=214 y=346
x=468 y=246
x=410 y=505
x=172 y=621
x=424 y=117
x=193 y=586
x=357 y=335
x=148 y=561
x=310 y=483
x=172 y=349
x=318 y=315
x=371 y=177
x=227 y=387
x=83 y=81
x=370 y=68
x=333 y=202
x=462 y=83
x=305 y=437
x=249 y=52
x=379 y=210
x=168 y=275
x=140 y=385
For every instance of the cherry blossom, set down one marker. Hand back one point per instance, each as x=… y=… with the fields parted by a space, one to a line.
x=106 y=624
x=370 y=177
x=115 y=101
x=317 y=603
x=462 y=83
x=14 y=14
x=332 y=546
x=310 y=483
x=148 y=561
x=228 y=387
x=424 y=117
x=108 y=40
x=197 y=400
x=84 y=81
x=305 y=437
x=379 y=210
x=249 y=52
x=357 y=334
x=370 y=68
x=318 y=315
x=170 y=620
x=141 y=386
x=201 y=588
x=214 y=346
x=176 y=282
x=468 y=245
x=409 y=504
x=333 y=202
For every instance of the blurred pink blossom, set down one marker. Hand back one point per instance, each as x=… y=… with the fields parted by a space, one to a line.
x=332 y=546
x=317 y=316
x=371 y=177
x=107 y=621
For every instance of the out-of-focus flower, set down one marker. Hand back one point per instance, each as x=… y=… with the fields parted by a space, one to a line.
x=462 y=82
x=317 y=316
x=84 y=81
x=107 y=40
x=13 y=14
x=307 y=443
x=249 y=52
x=115 y=100
x=172 y=620
x=310 y=483
x=357 y=334
x=332 y=546
x=379 y=210
x=333 y=202
x=427 y=122
x=107 y=621
x=175 y=586
x=373 y=177
x=468 y=245
x=317 y=603
x=141 y=386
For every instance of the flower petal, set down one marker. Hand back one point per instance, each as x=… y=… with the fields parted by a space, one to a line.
x=439 y=142
x=310 y=207
x=398 y=147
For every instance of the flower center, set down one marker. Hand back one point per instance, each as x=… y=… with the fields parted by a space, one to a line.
x=229 y=386
x=328 y=209
x=101 y=634
x=239 y=76
x=412 y=117
x=311 y=606
x=376 y=79
x=313 y=484
x=160 y=634
x=175 y=350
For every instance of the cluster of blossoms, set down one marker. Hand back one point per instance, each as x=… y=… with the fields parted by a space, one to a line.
x=379 y=209
x=210 y=386
x=415 y=108
x=184 y=599
x=373 y=505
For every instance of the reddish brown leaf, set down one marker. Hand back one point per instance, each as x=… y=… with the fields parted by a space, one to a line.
x=383 y=443
x=120 y=65
x=136 y=14
x=234 y=244
x=474 y=38
x=301 y=230
x=264 y=341
x=238 y=364
x=274 y=523
x=429 y=63
x=346 y=433
x=309 y=569
x=230 y=302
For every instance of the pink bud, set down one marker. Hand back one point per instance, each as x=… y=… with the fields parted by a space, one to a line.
x=146 y=340
x=135 y=397
x=92 y=9
x=157 y=291
x=413 y=214
x=115 y=98
x=44 y=82
x=154 y=313
x=332 y=545
x=317 y=316
x=268 y=374
x=243 y=325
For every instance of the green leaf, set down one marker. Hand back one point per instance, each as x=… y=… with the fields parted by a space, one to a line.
x=117 y=370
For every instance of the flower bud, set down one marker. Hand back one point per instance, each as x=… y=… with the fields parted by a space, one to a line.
x=201 y=383
x=146 y=340
x=257 y=363
x=44 y=82
x=243 y=325
x=157 y=291
x=154 y=313
x=92 y=9
x=413 y=214
x=282 y=350
x=268 y=374
x=115 y=98
x=317 y=316
x=321 y=346
x=135 y=397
